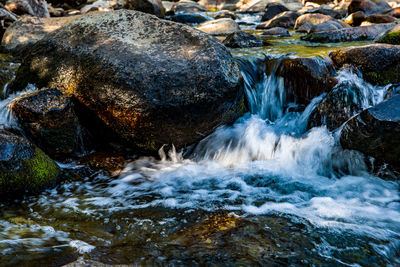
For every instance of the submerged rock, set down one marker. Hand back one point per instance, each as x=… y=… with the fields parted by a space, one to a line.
x=48 y=118
x=379 y=63
x=243 y=39
x=286 y=19
x=273 y=9
x=390 y=37
x=219 y=27
x=161 y=82
x=361 y=33
x=24 y=33
x=37 y=8
x=23 y=166
x=376 y=132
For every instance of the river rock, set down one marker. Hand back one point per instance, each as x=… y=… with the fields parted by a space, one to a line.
x=99 y=5
x=273 y=9
x=7 y=19
x=24 y=33
x=337 y=14
x=23 y=166
x=230 y=5
x=368 y=6
x=276 y=31
x=187 y=6
x=286 y=19
x=305 y=78
x=8 y=69
x=47 y=117
x=376 y=132
x=378 y=18
x=258 y=6
x=190 y=18
x=225 y=14
x=68 y=3
x=159 y=83
x=390 y=37
x=330 y=25
x=154 y=7
x=395 y=12
x=379 y=63
x=361 y=33
x=37 y=8
x=313 y=18
x=242 y=39
x=219 y=27
x=356 y=18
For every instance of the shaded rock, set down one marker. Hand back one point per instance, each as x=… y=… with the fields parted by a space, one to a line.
x=190 y=18
x=356 y=18
x=395 y=12
x=313 y=18
x=390 y=37
x=337 y=14
x=154 y=7
x=99 y=5
x=6 y=19
x=47 y=117
x=160 y=84
x=23 y=166
x=37 y=8
x=379 y=63
x=8 y=69
x=277 y=31
x=243 y=39
x=368 y=6
x=24 y=33
x=305 y=78
x=361 y=33
x=273 y=9
x=381 y=19
x=219 y=27
x=226 y=14
x=105 y=161
x=188 y=6
x=55 y=12
x=70 y=4
x=286 y=19
x=376 y=132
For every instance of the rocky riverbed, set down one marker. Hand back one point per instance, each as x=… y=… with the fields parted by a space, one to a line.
x=222 y=133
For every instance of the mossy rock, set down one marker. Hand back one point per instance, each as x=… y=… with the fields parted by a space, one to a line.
x=24 y=168
x=391 y=38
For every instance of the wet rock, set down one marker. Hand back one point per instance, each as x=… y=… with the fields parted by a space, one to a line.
x=37 y=8
x=154 y=7
x=356 y=18
x=311 y=19
x=117 y=75
x=190 y=18
x=395 y=12
x=243 y=39
x=273 y=9
x=105 y=161
x=90 y=263
x=187 y=6
x=277 y=31
x=219 y=27
x=305 y=78
x=376 y=132
x=380 y=19
x=8 y=69
x=362 y=33
x=390 y=37
x=226 y=14
x=286 y=19
x=47 y=117
x=330 y=25
x=368 y=6
x=24 y=168
x=24 y=33
x=379 y=63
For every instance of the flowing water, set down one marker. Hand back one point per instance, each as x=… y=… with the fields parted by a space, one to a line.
x=264 y=191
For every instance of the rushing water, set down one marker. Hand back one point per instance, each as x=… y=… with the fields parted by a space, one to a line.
x=263 y=191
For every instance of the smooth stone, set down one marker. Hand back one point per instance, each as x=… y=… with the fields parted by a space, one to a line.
x=273 y=9
x=187 y=6
x=356 y=18
x=219 y=27
x=286 y=19
x=276 y=31
x=313 y=18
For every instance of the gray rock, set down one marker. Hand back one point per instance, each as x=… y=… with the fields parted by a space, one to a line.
x=37 y=8
x=277 y=31
x=285 y=20
x=219 y=27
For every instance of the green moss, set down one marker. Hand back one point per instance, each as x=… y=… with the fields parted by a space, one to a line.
x=235 y=112
x=391 y=38
x=390 y=75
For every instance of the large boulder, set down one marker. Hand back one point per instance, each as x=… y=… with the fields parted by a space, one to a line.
x=376 y=132
x=362 y=33
x=48 y=118
x=311 y=18
x=286 y=19
x=273 y=9
x=23 y=166
x=24 y=33
x=379 y=63
x=37 y=8
x=151 y=81
x=219 y=27
x=390 y=37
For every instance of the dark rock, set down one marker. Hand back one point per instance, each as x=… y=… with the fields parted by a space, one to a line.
x=395 y=12
x=368 y=6
x=242 y=40
x=226 y=14
x=48 y=118
x=380 y=19
x=376 y=132
x=190 y=18
x=8 y=69
x=305 y=78
x=314 y=18
x=219 y=27
x=161 y=83
x=379 y=63
x=362 y=33
x=23 y=166
x=356 y=18
x=68 y=4
x=24 y=33
x=37 y=8
x=188 y=7
x=154 y=7
x=337 y=14
x=277 y=31
x=100 y=5
x=6 y=19
x=286 y=19
x=273 y=9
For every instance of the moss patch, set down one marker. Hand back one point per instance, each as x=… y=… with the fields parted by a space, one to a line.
x=391 y=38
